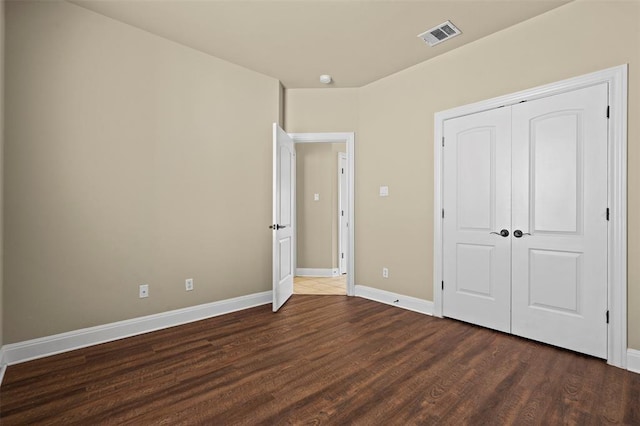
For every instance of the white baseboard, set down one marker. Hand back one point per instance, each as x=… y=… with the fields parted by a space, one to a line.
x=3 y=368
x=50 y=345
x=45 y=346
x=633 y=360
x=317 y=272
x=426 y=307
x=406 y=302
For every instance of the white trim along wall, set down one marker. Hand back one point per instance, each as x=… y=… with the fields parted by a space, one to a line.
x=616 y=78
x=51 y=345
x=317 y=272
x=633 y=360
x=394 y=299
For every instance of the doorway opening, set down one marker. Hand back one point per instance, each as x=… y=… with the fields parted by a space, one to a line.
x=324 y=214
x=320 y=256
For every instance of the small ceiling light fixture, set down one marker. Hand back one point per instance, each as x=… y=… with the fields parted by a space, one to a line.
x=325 y=79
x=440 y=33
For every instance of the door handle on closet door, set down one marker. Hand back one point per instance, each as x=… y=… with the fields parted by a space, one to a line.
x=518 y=233
x=504 y=233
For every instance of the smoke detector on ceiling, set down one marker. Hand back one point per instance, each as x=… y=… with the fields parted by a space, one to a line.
x=442 y=32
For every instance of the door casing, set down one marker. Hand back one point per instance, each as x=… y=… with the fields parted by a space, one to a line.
x=616 y=78
x=349 y=139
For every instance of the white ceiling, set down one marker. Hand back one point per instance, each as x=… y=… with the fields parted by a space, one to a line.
x=295 y=41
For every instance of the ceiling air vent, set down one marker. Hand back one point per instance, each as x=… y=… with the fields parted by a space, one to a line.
x=440 y=33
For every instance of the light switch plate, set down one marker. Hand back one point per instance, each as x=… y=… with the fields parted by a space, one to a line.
x=316 y=197
x=384 y=191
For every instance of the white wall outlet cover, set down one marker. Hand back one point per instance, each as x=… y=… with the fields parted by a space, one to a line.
x=384 y=191
x=188 y=284
x=316 y=197
x=144 y=291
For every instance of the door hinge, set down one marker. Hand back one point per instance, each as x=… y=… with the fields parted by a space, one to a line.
x=342 y=213
x=607 y=317
x=443 y=213
x=608 y=108
x=342 y=255
x=443 y=285
x=343 y=171
x=607 y=213
x=443 y=141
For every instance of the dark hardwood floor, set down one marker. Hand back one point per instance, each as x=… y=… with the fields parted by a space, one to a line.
x=321 y=360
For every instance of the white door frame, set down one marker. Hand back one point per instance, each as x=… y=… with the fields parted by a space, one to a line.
x=342 y=156
x=349 y=139
x=616 y=78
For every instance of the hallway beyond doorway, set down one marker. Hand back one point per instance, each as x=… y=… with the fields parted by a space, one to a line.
x=320 y=285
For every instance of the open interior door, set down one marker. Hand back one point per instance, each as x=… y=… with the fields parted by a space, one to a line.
x=284 y=172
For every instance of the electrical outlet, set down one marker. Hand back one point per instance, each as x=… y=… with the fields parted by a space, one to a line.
x=385 y=272
x=188 y=284
x=144 y=291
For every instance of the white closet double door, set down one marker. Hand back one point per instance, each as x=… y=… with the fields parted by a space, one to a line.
x=525 y=225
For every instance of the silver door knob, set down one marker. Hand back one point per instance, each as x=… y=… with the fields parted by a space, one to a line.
x=518 y=233
x=504 y=233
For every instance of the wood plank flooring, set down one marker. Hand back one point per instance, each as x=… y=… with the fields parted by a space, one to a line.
x=320 y=285
x=321 y=360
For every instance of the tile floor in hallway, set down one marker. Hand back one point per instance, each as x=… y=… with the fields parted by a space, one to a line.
x=320 y=285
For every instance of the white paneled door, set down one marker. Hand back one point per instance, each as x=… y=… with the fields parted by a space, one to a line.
x=559 y=285
x=477 y=205
x=283 y=243
x=525 y=227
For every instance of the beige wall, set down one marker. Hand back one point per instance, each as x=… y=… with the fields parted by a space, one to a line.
x=129 y=160
x=395 y=137
x=321 y=110
x=317 y=230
